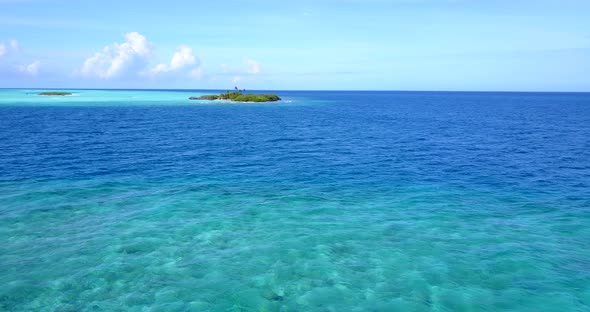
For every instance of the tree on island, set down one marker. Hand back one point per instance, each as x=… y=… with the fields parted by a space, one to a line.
x=239 y=91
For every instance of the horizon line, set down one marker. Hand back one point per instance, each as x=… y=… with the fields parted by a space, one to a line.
x=294 y=90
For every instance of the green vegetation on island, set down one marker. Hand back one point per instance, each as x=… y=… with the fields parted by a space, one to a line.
x=54 y=93
x=239 y=96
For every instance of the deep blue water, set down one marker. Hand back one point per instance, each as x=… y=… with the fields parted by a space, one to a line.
x=327 y=201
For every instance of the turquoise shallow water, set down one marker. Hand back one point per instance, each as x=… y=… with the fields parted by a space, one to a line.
x=31 y=97
x=329 y=201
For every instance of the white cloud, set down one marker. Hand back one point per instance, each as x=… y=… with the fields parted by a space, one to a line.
x=236 y=79
x=248 y=70
x=182 y=58
x=14 y=45
x=117 y=59
x=30 y=69
x=253 y=67
x=11 y=47
x=133 y=57
x=197 y=73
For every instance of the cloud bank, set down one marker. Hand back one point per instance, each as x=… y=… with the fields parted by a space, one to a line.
x=135 y=59
x=183 y=58
x=132 y=58
x=117 y=59
x=249 y=69
x=11 y=52
x=30 y=69
x=11 y=47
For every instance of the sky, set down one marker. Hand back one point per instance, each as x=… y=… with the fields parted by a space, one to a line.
x=454 y=45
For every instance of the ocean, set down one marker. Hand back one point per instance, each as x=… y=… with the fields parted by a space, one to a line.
x=141 y=200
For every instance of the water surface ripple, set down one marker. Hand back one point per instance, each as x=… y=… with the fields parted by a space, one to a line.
x=328 y=201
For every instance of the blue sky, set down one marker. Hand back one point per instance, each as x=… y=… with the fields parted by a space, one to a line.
x=527 y=45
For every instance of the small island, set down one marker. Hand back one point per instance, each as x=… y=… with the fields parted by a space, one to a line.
x=53 y=93
x=239 y=96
